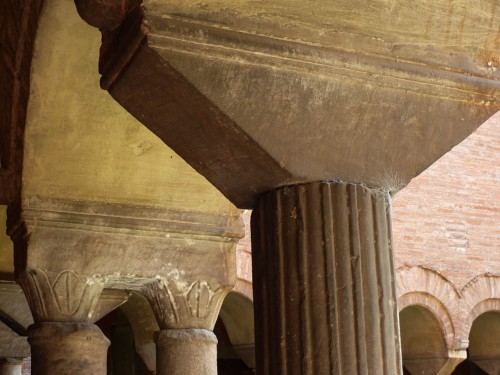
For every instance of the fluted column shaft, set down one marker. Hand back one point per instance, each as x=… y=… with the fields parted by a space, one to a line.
x=324 y=292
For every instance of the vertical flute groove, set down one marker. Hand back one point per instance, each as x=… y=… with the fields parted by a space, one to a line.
x=326 y=300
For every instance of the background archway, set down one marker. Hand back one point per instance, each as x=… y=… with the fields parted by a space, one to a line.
x=422 y=340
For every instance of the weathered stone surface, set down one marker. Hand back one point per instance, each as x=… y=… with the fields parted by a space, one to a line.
x=60 y=296
x=181 y=305
x=65 y=348
x=293 y=96
x=186 y=351
x=124 y=246
x=324 y=290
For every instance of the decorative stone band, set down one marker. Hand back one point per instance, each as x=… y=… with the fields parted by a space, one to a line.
x=325 y=300
x=186 y=351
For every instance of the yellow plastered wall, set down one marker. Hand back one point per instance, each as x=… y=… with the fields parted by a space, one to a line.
x=81 y=145
x=6 y=247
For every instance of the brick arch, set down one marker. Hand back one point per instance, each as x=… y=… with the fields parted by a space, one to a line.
x=436 y=308
x=480 y=295
x=427 y=288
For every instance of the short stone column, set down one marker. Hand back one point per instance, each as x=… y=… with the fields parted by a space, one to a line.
x=63 y=340
x=186 y=313
x=324 y=291
x=10 y=366
x=67 y=348
x=186 y=351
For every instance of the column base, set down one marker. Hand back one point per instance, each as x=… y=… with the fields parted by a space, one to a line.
x=186 y=351
x=67 y=348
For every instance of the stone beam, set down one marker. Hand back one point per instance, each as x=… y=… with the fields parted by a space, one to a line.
x=271 y=101
x=225 y=155
x=161 y=253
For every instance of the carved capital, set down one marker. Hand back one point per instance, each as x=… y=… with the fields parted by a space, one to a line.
x=179 y=305
x=60 y=296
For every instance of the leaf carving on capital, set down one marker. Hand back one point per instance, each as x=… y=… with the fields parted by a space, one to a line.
x=199 y=298
x=180 y=305
x=68 y=290
x=60 y=296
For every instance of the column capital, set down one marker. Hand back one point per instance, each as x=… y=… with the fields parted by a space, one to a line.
x=181 y=305
x=63 y=296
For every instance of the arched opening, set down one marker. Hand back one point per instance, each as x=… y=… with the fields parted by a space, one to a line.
x=235 y=332
x=123 y=357
x=423 y=344
x=484 y=342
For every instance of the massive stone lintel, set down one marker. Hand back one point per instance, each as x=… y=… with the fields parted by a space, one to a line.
x=260 y=95
x=324 y=293
x=116 y=246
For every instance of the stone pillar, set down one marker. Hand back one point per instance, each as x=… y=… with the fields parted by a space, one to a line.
x=10 y=366
x=67 y=348
x=186 y=313
x=186 y=351
x=63 y=340
x=324 y=291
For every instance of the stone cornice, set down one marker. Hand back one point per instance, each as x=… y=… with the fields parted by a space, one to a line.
x=193 y=37
x=125 y=218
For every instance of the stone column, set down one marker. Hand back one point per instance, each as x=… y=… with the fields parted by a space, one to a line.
x=186 y=351
x=62 y=340
x=10 y=366
x=186 y=314
x=324 y=292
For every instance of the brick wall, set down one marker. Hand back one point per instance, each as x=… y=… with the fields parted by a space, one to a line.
x=448 y=218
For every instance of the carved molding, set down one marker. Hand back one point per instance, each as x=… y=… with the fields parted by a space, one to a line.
x=61 y=296
x=179 y=305
x=121 y=218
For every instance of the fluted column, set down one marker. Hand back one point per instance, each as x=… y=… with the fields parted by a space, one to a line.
x=324 y=292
